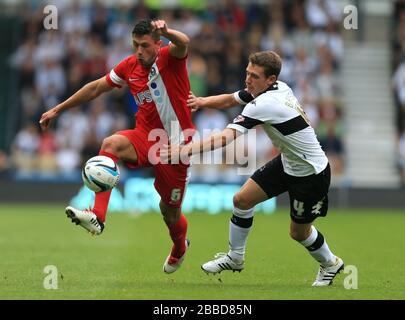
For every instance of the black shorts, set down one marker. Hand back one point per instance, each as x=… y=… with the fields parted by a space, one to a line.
x=308 y=195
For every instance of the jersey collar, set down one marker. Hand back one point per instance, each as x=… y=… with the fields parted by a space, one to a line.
x=273 y=87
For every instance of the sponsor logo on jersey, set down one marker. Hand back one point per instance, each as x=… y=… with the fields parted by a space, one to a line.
x=143 y=96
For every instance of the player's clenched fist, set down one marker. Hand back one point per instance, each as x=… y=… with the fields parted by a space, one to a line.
x=159 y=27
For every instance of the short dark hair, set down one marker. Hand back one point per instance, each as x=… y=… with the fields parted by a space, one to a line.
x=144 y=27
x=269 y=60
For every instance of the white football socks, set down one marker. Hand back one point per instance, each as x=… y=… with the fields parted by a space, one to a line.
x=318 y=248
x=239 y=228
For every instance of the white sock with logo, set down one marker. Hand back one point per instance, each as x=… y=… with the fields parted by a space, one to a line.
x=239 y=228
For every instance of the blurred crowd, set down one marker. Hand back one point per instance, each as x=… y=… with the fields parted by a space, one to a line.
x=398 y=81
x=92 y=38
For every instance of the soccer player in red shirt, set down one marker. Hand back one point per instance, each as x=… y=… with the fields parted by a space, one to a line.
x=157 y=78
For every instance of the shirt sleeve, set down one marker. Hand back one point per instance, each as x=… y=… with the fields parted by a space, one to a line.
x=255 y=113
x=118 y=75
x=243 y=97
x=243 y=123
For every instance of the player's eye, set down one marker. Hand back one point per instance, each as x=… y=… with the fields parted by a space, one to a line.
x=252 y=75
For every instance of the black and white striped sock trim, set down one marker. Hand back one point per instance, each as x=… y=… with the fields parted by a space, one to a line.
x=241 y=222
x=242 y=218
x=319 y=241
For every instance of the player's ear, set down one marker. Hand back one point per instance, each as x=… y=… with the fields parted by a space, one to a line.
x=271 y=79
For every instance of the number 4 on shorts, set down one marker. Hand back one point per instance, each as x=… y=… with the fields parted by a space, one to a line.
x=299 y=207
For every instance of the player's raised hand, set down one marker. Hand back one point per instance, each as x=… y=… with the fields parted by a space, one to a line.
x=159 y=27
x=47 y=117
x=193 y=102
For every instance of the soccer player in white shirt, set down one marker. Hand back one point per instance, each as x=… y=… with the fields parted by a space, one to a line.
x=302 y=168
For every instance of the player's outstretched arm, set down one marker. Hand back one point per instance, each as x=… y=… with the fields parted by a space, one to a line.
x=179 y=41
x=215 y=141
x=89 y=92
x=212 y=142
x=222 y=101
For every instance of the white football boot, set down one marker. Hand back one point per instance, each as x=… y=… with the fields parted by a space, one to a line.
x=326 y=275
x=172 y=264
x=86 y=219
x=222 y=262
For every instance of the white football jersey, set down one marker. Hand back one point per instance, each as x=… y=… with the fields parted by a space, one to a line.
x=286 y=124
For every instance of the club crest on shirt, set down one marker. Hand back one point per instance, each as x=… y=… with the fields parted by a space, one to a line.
x=152 y=72
x=239 y=119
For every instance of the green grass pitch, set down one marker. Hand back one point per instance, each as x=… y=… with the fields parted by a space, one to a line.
x=125 y=262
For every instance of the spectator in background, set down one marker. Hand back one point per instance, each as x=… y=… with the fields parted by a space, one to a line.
x=188 y=23
x=23 y=60
x=31 y=103
x=398 y=81
x=76 y=19
x=25 y=148
x=47 y=148
x=399 y=88
x=197 y=68
x=326 y=80
x=50 y=81
x=321 y=12
x=68 y=158
x=231 y=17
x=401 y=156
x=333 y=147
x=4 y=164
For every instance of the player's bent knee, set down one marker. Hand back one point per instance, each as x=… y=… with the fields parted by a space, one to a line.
x=110 y=145
x=241 y=202
x=114 y=144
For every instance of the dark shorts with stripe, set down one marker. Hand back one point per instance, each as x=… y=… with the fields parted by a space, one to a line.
x=308 y=195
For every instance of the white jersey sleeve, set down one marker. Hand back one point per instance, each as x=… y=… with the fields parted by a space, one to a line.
x=243 y=97
x=255 y=113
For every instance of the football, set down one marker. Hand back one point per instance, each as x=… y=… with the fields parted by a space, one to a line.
x=100 y=174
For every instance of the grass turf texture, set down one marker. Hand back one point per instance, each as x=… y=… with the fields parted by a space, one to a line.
x=125 y=262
